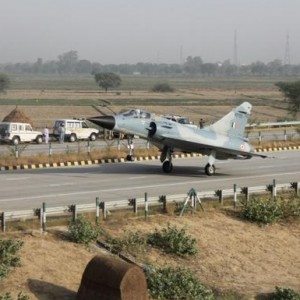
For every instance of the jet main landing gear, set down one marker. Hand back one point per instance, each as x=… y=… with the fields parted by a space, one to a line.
x=210 y=170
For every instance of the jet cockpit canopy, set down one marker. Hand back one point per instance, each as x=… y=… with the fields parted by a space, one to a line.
x=137 y=113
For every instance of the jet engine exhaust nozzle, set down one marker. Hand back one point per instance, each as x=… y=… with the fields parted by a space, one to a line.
x=107 y=122
x=152 y=129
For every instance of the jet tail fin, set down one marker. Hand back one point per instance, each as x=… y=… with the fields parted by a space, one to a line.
x=234 y=123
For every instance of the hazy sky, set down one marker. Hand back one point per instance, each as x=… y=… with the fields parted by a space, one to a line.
x=129 y=31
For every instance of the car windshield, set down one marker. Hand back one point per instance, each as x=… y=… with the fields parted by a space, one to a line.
x=137 y=113
x=3 y=128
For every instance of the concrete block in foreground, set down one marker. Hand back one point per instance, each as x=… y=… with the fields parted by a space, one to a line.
x=109 y=278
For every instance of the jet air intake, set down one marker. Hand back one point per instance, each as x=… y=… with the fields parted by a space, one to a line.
x=152 y=129
x=107 y=122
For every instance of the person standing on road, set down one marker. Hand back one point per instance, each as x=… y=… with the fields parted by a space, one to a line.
x=46 y=135
x=62 y=133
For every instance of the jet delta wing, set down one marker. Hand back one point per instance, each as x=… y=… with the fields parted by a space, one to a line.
x=221 y=140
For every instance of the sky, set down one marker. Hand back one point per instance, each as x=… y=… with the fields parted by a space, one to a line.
x=131 y=31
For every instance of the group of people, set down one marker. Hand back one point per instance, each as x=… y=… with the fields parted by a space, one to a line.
x=61 y=131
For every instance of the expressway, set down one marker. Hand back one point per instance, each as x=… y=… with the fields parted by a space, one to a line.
x=26 y=189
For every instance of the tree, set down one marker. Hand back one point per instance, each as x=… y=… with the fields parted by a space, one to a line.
x=4 y=82
x=67 y=62
x=107 y=80
x=291 y=91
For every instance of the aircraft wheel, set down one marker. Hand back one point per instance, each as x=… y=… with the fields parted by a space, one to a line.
x=130 y=157
x=167 y=166
x=210 y=169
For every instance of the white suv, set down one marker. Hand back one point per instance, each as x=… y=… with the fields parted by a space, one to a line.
x=75 y=130
x=13 y=132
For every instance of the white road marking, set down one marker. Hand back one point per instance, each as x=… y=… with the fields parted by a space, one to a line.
x=137 y=177
x=17 y=178
x=144 y=187
x=61 y=184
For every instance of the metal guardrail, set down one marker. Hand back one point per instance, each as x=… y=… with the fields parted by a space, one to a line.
x=138 y=203
x=273 y=124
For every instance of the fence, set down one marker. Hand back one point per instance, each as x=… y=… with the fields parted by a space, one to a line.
x=144 y=203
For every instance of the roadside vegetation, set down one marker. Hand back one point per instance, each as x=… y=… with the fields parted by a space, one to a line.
x=175 y=283
x=282 y=293
x=8 y=296
x=9 y=255
x=162 y=88
x=265 y=210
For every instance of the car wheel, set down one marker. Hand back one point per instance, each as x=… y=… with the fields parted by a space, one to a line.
x=15 y=140
x=93 y=137
x=39 y=139
x=72 y=138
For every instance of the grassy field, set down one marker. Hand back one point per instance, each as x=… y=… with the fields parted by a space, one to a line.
x=48 y=97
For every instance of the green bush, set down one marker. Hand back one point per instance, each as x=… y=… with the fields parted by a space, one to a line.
x=267 y=211
x=162 y=88
x=173 y=240
x=285 y=294
x=131 y=242
x=7 y=296
x=178 y=283
x=262 y=210
x=82 y=231
x=9 y=257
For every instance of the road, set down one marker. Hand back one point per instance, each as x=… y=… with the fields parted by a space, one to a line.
x=26 y=189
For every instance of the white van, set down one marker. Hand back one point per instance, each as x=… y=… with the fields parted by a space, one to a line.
x=75 y=130
x=15 y=133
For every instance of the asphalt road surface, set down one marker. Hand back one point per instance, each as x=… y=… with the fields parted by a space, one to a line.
x=26 y=189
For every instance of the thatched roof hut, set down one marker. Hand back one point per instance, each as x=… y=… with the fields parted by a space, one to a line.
x=17 y=115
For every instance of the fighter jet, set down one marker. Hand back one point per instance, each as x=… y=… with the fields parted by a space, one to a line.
x=224 y=139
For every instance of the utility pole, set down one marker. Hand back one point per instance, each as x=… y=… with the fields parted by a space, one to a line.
x=287 y=58
x=235 y=50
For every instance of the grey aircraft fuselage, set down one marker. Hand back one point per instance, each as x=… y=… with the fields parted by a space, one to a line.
x=221 y=140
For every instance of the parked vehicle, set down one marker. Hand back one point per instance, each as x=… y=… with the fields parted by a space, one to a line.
x=75 y=130
x=15 y=133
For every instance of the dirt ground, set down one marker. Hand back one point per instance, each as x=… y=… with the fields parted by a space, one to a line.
x=233 y=256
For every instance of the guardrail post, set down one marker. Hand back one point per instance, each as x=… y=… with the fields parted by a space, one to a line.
x=74 y=212
x=103 y=207
x=135 y=207
x=274 y=189
x=3 y=223
x=234 y=196
x=97 y=210
x=247 y=194
x=259 y=137
x=163 y=199
x=16 y=151
x=146 y=205
x=50 y=149
x=285 y=135
x=220 y=194
x=296 y=187
x=88 y=147
x=43 y=217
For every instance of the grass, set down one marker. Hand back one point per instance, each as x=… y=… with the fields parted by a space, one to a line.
x=141 y=82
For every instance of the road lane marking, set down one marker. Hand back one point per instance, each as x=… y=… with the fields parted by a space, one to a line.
x=61 y=184
x=144 y=187
x=137 y=177
x=17 y=178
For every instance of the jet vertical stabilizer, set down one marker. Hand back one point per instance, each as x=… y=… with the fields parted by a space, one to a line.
x=234 y=123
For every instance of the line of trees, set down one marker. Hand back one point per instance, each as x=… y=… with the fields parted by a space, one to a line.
x=69 y=63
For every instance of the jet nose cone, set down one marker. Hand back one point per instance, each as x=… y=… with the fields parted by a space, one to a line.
x=107 y=122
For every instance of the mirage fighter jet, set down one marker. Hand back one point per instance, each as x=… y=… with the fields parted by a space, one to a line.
x=221 y=140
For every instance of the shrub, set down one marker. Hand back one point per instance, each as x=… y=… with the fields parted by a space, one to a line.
x=262 y=210
x=285 y=294
x=82 y=231
x=9 y=257
x=162 y=88
x=132 y=242
x=173 y=240
x=7 y=296
x=175 y=283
